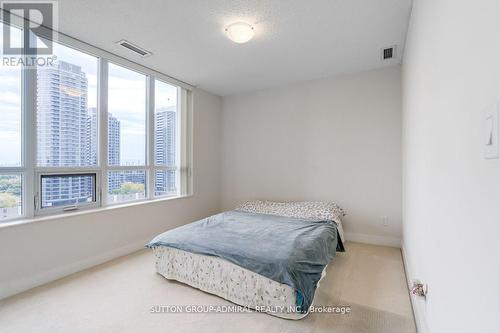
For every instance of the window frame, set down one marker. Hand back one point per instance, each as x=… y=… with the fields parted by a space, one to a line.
x=31 y=173
x=66 y=172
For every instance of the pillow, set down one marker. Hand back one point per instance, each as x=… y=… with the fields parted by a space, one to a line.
x=299 y=209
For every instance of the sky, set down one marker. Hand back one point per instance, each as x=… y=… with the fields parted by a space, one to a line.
x=126 y=101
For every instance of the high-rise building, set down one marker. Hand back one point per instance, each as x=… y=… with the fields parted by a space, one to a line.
x=62 y=115
x=113 y=140
x=165 y=132
x=165 y=152
x=114 y=179
x=92 y=137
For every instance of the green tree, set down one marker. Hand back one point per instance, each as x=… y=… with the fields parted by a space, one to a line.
x=130 y=188
x=7 y=200
x=10 y=184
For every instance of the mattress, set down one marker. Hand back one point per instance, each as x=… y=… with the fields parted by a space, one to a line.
x=227 y=280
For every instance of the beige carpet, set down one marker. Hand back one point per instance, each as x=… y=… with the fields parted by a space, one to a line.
x=117 y=296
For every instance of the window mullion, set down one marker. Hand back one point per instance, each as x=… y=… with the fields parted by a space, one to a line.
x=166 y=167
x=150 y=133
x=102 y=95
x=184 y=153
x=29 y=135
x=126 y=168
x=66 y=169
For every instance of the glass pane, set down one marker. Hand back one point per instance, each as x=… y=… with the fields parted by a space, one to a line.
x=165 y=182
x=10 y=196
x=165 y=123
x=10 y=106
x=126 y=186
x=67 y=190
x=66 y=110
x=127 y=117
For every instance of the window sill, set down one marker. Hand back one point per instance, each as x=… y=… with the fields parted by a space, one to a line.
x=87 y=211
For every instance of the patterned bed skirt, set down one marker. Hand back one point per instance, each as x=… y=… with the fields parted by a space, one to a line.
x=227 y=280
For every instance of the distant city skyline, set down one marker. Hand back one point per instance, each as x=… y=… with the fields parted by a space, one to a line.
x=127 y=91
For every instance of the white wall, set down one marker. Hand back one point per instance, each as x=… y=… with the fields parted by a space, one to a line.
x=451 y=194
x=334 y=139
x=34 y=253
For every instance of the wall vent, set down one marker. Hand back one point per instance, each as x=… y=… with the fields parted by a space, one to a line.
x=134 y=48
x=388 y=52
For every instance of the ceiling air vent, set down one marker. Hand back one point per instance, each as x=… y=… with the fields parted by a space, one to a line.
x=388 y=52
x=134 y=48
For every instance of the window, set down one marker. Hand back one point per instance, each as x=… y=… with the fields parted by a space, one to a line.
x=166 y=142
x=126 y=186
x=67 y=110
x=126 y=134
x=67 y=190
x=126 y=117
x=11 y=161
x=165 y=183
x=89 y=130
x=67 y=129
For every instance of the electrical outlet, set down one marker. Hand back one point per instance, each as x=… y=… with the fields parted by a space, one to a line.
x=419 y=288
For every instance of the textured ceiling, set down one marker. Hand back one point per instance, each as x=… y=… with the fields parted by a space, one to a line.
x=295 y=40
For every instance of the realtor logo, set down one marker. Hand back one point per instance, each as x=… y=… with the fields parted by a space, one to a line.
x=35 y=19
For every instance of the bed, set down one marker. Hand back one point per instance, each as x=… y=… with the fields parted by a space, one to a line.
x=268 y=256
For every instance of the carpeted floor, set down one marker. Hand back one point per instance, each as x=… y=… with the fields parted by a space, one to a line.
x=117 y=297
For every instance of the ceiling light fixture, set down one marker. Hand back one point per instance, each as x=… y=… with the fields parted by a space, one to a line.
x=240 y=32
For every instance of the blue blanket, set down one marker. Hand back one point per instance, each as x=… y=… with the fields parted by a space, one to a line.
x=287 y=250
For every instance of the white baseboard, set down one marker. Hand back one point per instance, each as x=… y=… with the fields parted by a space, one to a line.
x=30 y=281
x=373 y=239
x=418 y=305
